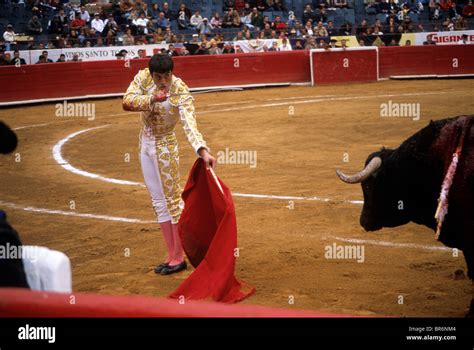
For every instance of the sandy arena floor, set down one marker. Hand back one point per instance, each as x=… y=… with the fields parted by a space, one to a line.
x=300 y=135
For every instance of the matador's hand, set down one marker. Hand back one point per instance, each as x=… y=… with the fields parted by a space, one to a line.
x=160 y=96
x=207 y=157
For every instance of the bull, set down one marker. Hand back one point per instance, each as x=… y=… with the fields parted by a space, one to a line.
x=403 y=185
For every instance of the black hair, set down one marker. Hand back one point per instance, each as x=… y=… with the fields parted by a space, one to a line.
x=160 y=63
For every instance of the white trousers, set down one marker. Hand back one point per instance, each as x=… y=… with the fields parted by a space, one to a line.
x=151 y=175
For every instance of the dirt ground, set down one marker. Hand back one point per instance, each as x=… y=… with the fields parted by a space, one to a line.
x=301 y=135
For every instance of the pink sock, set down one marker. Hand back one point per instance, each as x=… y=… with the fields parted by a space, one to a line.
x=166 y=229
x=177 y=256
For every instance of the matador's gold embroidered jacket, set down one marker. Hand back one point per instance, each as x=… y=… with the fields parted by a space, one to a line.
x=161 y=118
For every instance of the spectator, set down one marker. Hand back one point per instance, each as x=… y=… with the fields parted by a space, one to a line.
x=383 y=7
x=182 y=20
x=204 y=27
x=320 y=31
x=460 y=24
x=274 y=47
x=452 y=12
x=239 y=36
x=187 y=12
x=17 y=60
x=322 y=44
x=59 y=24
x=228 y=48
x=246 y=21
x=172 y=51
x=278 y=25
x=98 y=24
x=99 y=42
x=279 y=5
x=34 y=26
x=393 y=42
x=62 y=58
x=46 y=59
x=126 y=8
x=231 y=19
x=408 y=43
x=437 y=12
x=256 y=18
x=216 y=21
x=7 y=58
x=75 y=58
x=85 y=15
x=468 y=10
x=122 y=54
x=195 y=20
x=78 y=23
x=298 y=45
x=9 y=37
x=309 y=28
x=340 y=4
x=321 y=16
x=166 y=10
x=141 y=23
x=308 y=14
x=229 y=4
x=41 y=59
x=202 y=49
x=162 y=22
x=128 y=38
x=158 y=37
x=346 y=29
x=110 y=25
x=215 y=50
x=464 y=40
x=285 y=45
x=331 y=30
x=155 y=12
x=429 y=40
x=343 y=44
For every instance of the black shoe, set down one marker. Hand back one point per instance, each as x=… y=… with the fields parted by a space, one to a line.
x=160 y=267
x=168 y=270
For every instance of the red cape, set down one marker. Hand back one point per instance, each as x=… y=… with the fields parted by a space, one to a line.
x=208 y=232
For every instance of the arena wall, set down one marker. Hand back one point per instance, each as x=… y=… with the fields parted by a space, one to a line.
x=18 y=302
x=50 y=82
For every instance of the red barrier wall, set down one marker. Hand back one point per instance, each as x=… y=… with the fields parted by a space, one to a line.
x=43 y=81
x=454 y=59
x=83 y=79
x=426 y=60
x=337 y=66
x=242 y=69
x=18 y=302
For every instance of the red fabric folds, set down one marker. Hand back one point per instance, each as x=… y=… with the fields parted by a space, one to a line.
x=208 y=231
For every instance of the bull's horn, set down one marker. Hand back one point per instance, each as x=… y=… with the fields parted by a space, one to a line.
x=373 y=165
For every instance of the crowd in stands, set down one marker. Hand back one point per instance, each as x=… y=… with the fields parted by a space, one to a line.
x=136 y=22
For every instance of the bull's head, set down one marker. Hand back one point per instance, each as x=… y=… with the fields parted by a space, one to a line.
x=382 y=195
